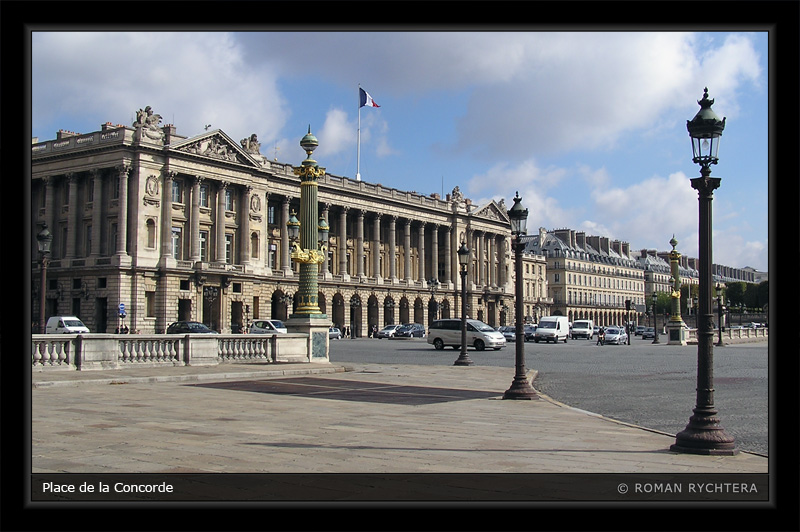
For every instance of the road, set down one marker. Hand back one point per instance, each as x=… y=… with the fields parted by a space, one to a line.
x=648 y=385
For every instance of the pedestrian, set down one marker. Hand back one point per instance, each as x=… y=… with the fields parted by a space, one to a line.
x=601 y=336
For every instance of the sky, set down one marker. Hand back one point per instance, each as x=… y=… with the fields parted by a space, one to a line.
x=588 y=127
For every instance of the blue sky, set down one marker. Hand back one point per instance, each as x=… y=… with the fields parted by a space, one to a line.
x=589 y=127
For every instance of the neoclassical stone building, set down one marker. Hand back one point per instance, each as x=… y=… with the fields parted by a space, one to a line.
x=194 y=228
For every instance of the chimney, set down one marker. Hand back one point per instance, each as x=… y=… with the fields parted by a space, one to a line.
x=580 y=239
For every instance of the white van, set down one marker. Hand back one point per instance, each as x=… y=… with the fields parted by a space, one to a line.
x=65 y=325
x=583 y=329
x=552 y=329
x=479 y=335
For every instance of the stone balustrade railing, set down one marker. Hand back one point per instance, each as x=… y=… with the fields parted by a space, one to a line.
x=743 y=334
x=117 y=351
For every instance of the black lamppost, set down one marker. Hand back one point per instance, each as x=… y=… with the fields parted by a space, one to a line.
x=655 y=320
x=463 y=261
x=433 y=285
x=704 y=434
x=719 y=313
x=43 y=240
x=520 y=387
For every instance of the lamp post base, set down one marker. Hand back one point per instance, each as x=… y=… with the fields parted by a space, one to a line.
x=521 y=389
x=463 y=360
x=704 y=435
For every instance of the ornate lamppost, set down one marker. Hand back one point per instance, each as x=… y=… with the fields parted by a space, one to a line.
x=704 y=434
x=433 y=285
x=463 y=260
x=43 y=241
x=655 y=319
x=309 y=244
x=520 y=387
x=719 y=312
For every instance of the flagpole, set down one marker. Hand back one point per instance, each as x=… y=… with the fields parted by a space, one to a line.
x=358 y=157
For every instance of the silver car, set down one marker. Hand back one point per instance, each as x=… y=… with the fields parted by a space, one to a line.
x=616 y=335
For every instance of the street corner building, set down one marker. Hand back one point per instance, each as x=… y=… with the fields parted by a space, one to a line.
x=195 y=228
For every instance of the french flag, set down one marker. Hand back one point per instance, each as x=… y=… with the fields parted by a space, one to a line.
x=366 y=99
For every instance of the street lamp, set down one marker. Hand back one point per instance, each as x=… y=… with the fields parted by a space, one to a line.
x=311 y=249
x=655 y=319
x=704 y=434
x=520 y=387
x=719 y=312
x=43 y=240
x=433 y=285
x=463 y=261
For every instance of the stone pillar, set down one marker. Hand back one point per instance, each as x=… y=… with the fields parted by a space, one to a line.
x=122 y=217
x=326 y=267
x=49 y=204
x=407 y=251
x=97 y=211
x=492 y=261
x=435 y=252
x=481 y=263
x=166 y=215
x=421 y=251
x=343 y=244
x=244 y=224
x=376 y=247
x=392 y=248
x=220 y=248
x=447 y=255
x=360 y=244
x=194 y=253
x=285 y=265
x=72 y=220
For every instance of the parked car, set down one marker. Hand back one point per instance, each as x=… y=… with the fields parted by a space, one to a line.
x=278 y=324
x=334 y=333
x=263 y=327
x=648 y=332
x=189 y=327
x=639 y=330
x=388 y=331
x=530 y=332
x=509 y=332
x=448 y=332
x=65 y=325
x=410 y=330
x=616 y=335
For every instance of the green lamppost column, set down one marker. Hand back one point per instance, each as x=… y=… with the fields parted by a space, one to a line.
x=309 y=253
x=676 y=328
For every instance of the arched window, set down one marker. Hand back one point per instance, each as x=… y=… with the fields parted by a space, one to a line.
x=151 y=233
x=254 y=245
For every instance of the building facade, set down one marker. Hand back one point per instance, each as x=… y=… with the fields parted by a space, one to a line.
x=194 y=228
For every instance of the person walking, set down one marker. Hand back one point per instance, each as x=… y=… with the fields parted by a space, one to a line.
x=601 y=336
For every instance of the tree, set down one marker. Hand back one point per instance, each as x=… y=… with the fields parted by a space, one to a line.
x=735 y=293
x=763 y=293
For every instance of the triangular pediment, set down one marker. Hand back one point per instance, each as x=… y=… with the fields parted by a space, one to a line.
x=493 y=211
x=219 y=146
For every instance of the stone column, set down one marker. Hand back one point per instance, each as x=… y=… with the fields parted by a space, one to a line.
x=122 y=217
x=376 y=247
x=49 y=204
x=220 y=247
x=194 y=254
x=97 y=211
x=435 y=252
x=285 y=265
x=481 y=263
x=326 y=268
x=166 y=215
x=343 y=243
x=421 y=251
x=392 y=248
x=447 y=255
x=72 y=223
x=407 y=251
x=244 y=224
x=492 y=263
x=360 y=244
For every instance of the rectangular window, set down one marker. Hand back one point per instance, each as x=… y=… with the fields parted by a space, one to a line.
x=229 y=248
x=271 y=214
x=112 y=239
x=176 y=243
x=272 y=256
x=255 y=308
x=88 y=241
x=228 y=200
x=204 y=246
x=90 y=191
x=150 y=304
x=176 y=192
x=204 y=195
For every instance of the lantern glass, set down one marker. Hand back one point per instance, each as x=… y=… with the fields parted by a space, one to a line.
x=463 y=254
x=293 y=227
x=43 y=240
x=518 y=216
x=322 y=230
